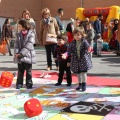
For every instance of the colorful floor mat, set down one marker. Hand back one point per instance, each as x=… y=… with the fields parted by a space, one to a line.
x=61 y=103
x=91 y=80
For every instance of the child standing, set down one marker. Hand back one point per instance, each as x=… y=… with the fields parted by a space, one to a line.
x=99 y=45
x=80 y=58
x=24 y=53
x=90 y=35
x=64 y=64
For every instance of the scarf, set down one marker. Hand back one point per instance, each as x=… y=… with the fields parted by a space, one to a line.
x=24 y=32
x=46 y=20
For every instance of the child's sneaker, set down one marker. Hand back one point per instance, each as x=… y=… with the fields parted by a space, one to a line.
x=42 y=75
x=68 y=85
x=18 y=86
x=47 y=76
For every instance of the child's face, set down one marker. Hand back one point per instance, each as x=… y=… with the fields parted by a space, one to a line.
x=60 y=42
x=77 y=36
x=20 y=28
x=89 y=27
x=8 y=21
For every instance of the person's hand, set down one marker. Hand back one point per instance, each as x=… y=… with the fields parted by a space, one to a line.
x=90 y=49
x=64 y=56
x=17 y=55
x=68 y=64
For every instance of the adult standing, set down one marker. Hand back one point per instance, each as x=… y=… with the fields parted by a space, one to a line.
x=7 y=33
x=98 y=29
x=118 y=38
x=113 y=40
x=60 y=13
x=90 y=34
x=97 y=24
x=118 y=29
x=27 y=16
x=48 y=25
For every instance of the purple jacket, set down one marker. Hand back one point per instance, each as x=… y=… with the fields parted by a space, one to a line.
x=84 y=63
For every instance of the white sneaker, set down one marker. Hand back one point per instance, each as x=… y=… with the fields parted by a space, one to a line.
x=42 y=75
x=47 y=76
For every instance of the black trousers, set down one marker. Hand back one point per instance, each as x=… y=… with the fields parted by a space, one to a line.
x=21 y=69
x=49 y=51
x=63 y=67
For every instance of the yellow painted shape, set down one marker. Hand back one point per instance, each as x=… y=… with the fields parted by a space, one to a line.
x=41 y=90
x=77 y=117
x=55 y=103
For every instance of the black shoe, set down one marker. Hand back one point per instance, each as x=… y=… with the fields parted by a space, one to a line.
x=79 y=87
x=18 y=86
x=68 y=84
x=29 y=87
x=83 y=86
x=10 y=55
x=57 y=84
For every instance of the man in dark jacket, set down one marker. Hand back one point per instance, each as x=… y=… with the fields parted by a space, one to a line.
x=98 y=29
x=97 y=24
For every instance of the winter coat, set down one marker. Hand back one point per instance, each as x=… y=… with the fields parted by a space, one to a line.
x=25 y=47
x=99 y=44
x=97 y=26
x=90 y=37
x=48 y=29
x=7 y=31
x=82 y=64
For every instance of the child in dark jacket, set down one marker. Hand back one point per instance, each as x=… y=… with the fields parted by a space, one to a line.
x=64 y=64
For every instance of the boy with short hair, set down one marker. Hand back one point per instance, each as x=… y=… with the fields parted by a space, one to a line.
x=64 y=64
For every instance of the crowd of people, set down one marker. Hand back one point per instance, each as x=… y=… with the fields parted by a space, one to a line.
x=72 y=50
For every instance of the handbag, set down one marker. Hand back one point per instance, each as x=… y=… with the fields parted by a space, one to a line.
x=3 y=47
x=51 y=38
